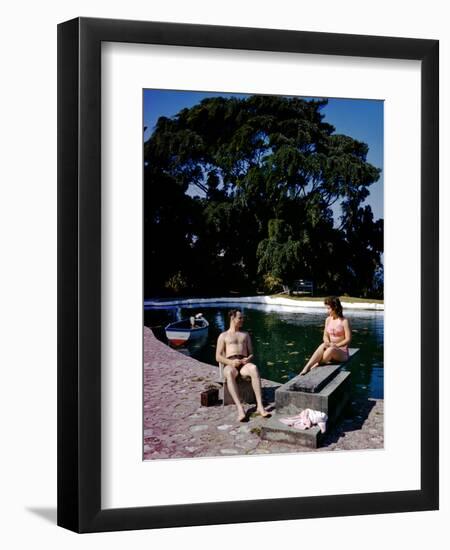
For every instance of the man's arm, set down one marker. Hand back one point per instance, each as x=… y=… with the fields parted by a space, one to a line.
x=248 y=345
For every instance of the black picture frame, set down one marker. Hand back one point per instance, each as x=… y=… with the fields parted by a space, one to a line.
x=79 y=274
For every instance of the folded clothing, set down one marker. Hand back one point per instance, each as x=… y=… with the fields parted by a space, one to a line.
x=306 y=419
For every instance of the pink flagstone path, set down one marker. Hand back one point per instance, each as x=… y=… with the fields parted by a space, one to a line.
x=177 y=426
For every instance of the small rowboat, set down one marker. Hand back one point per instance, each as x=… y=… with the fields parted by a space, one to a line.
x=187 y=330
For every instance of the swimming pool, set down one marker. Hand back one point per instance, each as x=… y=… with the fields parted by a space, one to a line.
x=284 y=337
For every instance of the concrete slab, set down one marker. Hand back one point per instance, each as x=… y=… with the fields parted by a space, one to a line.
x=336 y=395
x=313 y=381
x=317 y=378
x=244 y=385
x=329 y=400
x=274 y=430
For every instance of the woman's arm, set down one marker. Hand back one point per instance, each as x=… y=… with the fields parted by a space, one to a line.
x=326 y=338
x=347 y=334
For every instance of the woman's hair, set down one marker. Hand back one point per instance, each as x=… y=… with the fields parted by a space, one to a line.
x=335 y=305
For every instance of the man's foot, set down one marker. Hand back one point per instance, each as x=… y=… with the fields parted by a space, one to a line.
x=304 y=371
x=263 y=413
x=242 y=417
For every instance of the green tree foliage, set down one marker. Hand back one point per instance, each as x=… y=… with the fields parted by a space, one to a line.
x=239 y=190
x=177 y=283
x=272 y=284
x=279 y=256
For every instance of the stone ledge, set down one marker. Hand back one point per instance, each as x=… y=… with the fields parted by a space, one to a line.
x=329 y=400
x=314 y=381
x=317 y=378
x=274 y=430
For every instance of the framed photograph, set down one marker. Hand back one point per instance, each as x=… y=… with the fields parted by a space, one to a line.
x=247 y=275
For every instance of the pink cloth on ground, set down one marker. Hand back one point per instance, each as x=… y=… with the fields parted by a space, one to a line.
x=306 y=419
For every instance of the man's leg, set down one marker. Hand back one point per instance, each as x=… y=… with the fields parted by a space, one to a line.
x=230 y=374
x=252 y=370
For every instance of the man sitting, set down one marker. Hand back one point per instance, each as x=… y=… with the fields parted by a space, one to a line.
x=234 y=350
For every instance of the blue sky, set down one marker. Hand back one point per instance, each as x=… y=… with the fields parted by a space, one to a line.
x=361 y=119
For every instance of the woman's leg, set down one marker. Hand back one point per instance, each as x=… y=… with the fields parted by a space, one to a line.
x=334 y=354
x=315 y=359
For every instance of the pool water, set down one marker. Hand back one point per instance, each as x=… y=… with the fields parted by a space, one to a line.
x=284 y=338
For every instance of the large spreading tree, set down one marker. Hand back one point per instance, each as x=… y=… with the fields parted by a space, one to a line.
x=238 y=196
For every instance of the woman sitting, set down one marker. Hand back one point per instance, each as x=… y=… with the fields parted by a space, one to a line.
x=337 y=335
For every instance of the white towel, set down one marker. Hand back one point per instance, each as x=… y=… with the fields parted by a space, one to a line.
x=306 y=419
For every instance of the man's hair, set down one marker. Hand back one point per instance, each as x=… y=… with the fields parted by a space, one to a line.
x=232 y=313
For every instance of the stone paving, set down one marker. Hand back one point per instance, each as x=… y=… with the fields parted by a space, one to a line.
x=177 y=426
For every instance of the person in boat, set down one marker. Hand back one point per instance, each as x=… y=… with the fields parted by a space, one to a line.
x=337 y=335
x=234 y=349
x=193 y=320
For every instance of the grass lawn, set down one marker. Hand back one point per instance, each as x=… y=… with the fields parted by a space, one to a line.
x=321 y=298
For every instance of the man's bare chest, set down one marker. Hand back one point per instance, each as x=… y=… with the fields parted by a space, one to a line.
x=235 y=339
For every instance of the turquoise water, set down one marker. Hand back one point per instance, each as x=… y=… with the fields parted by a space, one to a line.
x=284 y=338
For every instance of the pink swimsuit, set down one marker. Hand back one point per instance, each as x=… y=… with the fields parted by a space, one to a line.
x=336 y=332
